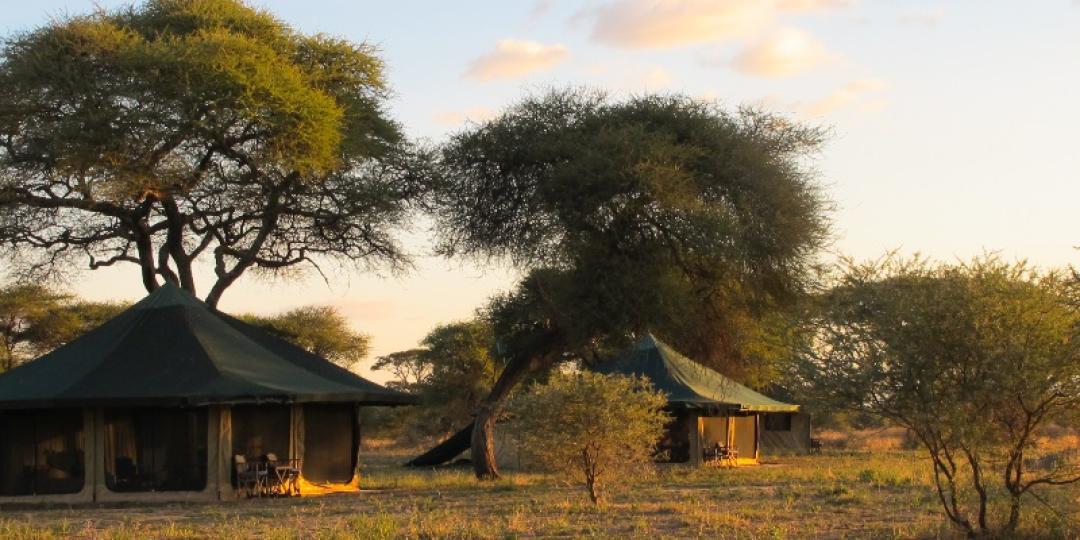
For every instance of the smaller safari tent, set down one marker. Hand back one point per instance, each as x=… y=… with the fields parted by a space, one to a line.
x=708 y=408
x=157 y=403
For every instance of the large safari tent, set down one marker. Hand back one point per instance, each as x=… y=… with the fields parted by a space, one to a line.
x=709 y=409
x=156 y=403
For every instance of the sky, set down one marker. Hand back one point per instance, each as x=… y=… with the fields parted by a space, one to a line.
x=953 y=124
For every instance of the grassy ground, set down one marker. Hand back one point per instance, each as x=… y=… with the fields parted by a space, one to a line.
x=853 y=495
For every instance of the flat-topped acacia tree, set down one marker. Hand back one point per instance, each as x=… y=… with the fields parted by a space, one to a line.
x=179 y=131
x=655 y=212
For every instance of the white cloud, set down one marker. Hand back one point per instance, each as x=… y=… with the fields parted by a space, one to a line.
x=782 y=53
x=866 y=94
x=654 y=78
x=458 y=117
x=664 y=23
x=514 y=58
x=810 y=5
x=672 y=23
x=927 y=18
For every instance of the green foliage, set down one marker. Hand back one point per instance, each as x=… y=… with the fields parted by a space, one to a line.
x=321 y=330
x=34 y=320
x=451 y=373
x=976 y=359
x=592 y=427
x=164 y=131
x=655 y=213
x=407 y=368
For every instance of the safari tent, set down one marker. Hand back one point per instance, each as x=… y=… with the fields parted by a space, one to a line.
x=710 y=411
x=157 y=403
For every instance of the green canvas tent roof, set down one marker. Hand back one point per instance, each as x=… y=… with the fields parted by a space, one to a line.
x=172 y=349
x=687 y=383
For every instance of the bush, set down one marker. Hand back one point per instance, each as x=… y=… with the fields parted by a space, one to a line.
x=977 y=361
x=592 y=427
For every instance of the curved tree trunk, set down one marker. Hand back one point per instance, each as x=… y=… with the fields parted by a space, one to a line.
x=446 y=450
x=542 y=353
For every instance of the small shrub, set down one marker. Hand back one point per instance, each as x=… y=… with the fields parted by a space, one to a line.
x=593 y=427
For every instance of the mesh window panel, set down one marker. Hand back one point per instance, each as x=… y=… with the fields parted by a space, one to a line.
x=155 y=449
x=17 y=453
x=41 y=452
x=178 y=452
x=259 y=430
x=329 y=442
x=59 y=460
x=778 y=421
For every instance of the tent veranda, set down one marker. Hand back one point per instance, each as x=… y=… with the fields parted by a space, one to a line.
x=708 y=408
x=155 y=404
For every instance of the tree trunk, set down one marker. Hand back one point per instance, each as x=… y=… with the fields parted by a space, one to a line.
x=593 y=487
x=592 y=478
x=444 y=451
x=146 y=258
x=541 y=353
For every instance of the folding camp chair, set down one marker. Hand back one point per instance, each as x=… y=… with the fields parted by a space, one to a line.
x=720 y=455
x=283 y=476
x=250 y=478
x=731 y=456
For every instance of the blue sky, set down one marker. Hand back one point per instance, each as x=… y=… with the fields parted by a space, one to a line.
x=954 y=123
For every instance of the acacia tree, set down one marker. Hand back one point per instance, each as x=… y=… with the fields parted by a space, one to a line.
x=35 y=320
x=179 y=131
x=975 y=359
x=658 y=212
x=407 y=368
x=320 y=330
x=450 y=374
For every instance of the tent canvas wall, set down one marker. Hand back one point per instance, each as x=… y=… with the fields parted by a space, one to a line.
x=786 y=433
x=155 y=403
x=708 y=408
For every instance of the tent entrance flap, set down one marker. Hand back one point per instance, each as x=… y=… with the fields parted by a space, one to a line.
x=42 y=452
x=744 y=438
x=330 y=443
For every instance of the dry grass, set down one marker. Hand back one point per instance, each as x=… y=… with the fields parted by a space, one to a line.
x=867 y=440
x=836 y=495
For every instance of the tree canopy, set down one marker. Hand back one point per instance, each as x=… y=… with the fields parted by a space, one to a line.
x=35 y=319
x=320 y=330
x=451 y=373
x=184 y=130
x=976 y=359
x=659 y=213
